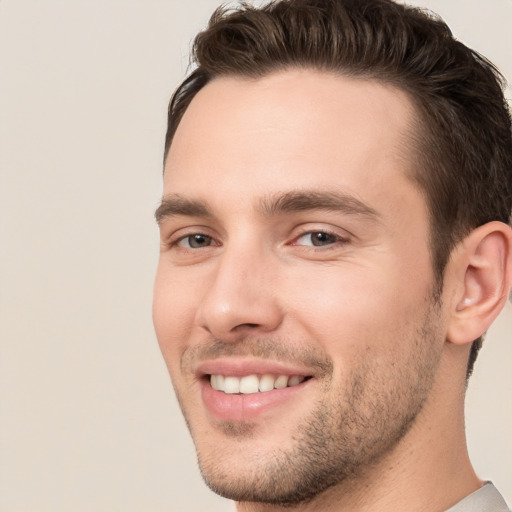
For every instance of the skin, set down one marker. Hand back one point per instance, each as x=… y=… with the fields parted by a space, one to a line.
x=383 y=411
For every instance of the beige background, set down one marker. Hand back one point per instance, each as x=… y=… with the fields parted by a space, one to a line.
x=88 y=421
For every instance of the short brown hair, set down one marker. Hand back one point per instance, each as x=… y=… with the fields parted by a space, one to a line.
x=463 y=139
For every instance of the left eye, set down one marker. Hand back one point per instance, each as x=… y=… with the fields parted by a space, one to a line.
x=317 y=239
x=196 y=241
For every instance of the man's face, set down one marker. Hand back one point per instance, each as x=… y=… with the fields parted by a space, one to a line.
x=294 y=258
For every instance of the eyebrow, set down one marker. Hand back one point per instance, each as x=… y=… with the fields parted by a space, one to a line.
x=175 y=205
x=288 y=202
x=297 y=201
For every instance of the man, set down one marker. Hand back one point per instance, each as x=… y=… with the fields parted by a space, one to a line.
x=335 y=242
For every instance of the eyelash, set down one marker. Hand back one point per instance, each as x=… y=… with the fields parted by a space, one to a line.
x=178 y=242
x=336 y=242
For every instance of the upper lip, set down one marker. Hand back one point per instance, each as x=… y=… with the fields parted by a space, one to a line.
x=239 y=367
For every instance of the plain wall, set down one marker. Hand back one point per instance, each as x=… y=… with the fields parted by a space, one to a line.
x=88 y=420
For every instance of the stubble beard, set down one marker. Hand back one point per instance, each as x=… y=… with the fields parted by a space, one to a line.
x=341 y=439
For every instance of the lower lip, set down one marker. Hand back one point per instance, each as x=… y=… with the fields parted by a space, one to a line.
x=240 y=407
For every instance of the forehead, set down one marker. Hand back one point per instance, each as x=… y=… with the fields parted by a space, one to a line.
x=293 y=129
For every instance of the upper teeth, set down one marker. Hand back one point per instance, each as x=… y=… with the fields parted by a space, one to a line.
x=252 y=383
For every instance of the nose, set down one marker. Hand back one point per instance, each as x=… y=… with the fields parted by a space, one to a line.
x=242 y=297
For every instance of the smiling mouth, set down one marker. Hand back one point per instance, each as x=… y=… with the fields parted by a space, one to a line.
x=251 y=384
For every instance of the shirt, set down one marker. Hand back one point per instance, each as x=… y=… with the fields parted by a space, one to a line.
x=486 y=499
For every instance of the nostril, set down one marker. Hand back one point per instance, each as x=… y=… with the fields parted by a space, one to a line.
x=246 y=325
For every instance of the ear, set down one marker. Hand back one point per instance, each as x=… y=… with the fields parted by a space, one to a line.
x=481 y=275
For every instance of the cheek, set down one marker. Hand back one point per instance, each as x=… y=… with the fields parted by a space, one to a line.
x=173 y=315
x=352 y=310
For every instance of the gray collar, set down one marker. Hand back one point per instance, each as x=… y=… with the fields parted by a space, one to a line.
x=486 y=499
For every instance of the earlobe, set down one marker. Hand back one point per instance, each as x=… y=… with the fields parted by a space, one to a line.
x=481 y=268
